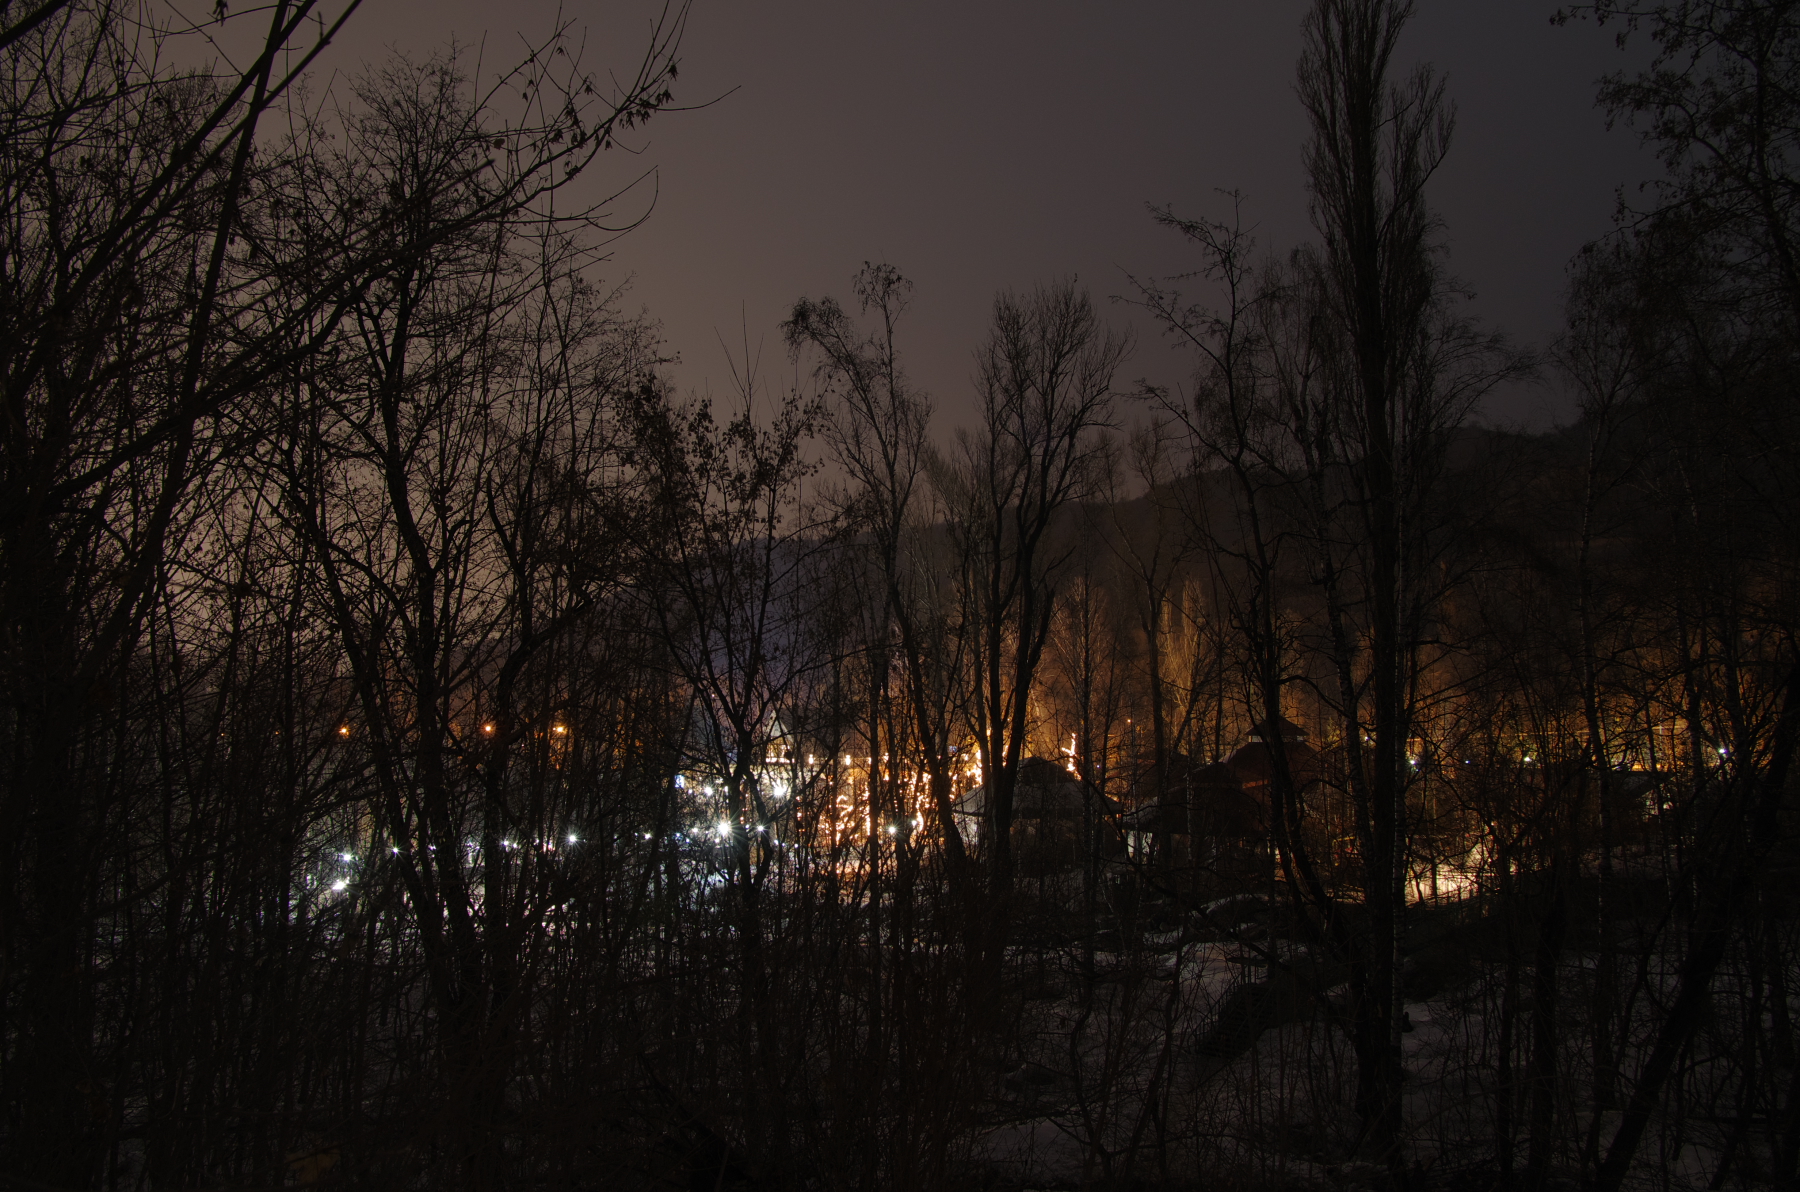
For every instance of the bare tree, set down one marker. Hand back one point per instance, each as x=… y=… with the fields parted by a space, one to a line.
x=735 y=594
x=1045 y=381
x=881 y=443
x=169 y=264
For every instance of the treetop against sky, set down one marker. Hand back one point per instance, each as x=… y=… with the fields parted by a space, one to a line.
x=1008 y=144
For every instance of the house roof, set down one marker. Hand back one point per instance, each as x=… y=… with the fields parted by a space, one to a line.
x=1281 y=728
x=1254 y=763
x=1045 y=790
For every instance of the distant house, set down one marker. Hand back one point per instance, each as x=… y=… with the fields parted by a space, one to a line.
x=1056 y=816
x=1214 y=820
x=1254 y=761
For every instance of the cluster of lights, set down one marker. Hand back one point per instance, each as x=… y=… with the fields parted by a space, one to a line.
x=850 y=814
x=487 y=727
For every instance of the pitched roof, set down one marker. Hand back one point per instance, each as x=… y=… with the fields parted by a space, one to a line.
x=1283 y=729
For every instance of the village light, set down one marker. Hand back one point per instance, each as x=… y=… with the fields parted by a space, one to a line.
x=339 y=885
x=559 y=729
x=348 y=858
x=487 y=728
x=572 y=839
x=343 y=730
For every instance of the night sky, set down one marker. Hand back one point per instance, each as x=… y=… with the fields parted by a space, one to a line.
x=979 y=146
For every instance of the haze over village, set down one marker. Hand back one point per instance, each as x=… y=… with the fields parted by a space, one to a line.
x=661 y=595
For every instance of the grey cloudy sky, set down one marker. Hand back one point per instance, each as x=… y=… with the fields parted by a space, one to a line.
x=996 y=143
